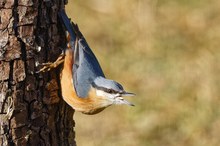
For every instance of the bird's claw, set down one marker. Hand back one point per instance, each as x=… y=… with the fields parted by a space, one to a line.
x=50 y=65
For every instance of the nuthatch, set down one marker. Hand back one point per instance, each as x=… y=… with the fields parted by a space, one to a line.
x=83 y=83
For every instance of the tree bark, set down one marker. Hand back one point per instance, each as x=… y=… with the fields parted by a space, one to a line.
x=32 y=111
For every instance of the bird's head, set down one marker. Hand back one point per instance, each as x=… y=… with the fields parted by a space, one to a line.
x=111 y=90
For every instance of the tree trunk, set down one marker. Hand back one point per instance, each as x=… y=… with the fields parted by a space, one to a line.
x=32 y=111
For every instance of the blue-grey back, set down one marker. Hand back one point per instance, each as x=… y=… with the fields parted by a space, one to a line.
x=86 y=68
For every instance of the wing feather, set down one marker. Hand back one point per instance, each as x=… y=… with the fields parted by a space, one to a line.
x=86 y=69
x=86 y=66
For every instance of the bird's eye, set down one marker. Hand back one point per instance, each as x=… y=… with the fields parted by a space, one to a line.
x=109 y=91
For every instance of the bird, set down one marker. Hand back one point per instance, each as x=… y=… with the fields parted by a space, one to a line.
x=83 y=84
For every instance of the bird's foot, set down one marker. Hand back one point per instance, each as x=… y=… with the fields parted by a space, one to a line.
x=50 y=65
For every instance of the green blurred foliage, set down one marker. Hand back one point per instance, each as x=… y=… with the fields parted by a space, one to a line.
x=167 y=52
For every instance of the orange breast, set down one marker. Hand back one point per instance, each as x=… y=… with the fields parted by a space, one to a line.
x=89 y=105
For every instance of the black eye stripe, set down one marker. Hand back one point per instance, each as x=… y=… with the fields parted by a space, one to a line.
x=104 y=89
x=111 y=91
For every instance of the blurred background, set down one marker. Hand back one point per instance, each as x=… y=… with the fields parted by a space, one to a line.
x=165 y=51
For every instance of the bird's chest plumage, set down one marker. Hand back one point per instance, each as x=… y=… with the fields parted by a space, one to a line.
x=89 y=105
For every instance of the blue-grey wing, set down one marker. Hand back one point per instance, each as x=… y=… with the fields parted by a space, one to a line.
x=85 y=69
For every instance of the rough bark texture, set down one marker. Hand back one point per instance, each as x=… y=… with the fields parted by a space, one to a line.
x=32 y=111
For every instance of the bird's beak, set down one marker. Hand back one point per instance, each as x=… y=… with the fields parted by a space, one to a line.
x=123 y=101
x=127 y=102
x=127 y=94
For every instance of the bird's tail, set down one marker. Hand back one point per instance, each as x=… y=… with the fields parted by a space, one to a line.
x=78 y=42
x=68 y=25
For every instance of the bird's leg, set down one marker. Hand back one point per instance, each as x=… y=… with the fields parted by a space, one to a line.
x=50 y=65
